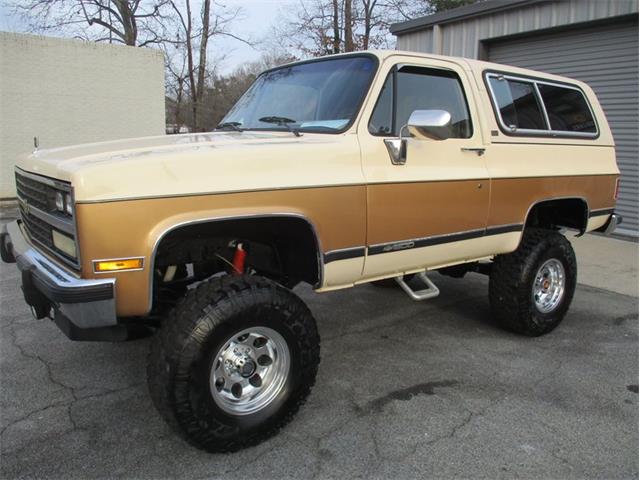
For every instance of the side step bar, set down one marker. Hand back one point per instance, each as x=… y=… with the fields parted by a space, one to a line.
x=431 y=291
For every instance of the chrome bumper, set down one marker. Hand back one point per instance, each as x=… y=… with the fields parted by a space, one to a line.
x=83 y=309
x=611 y=225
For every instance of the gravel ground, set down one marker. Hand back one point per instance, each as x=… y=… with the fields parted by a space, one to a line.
x=405 y=390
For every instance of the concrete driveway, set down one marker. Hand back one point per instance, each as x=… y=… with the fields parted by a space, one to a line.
x=405 y=390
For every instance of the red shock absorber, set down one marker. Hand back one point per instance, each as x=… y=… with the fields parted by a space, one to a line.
x=239 y=257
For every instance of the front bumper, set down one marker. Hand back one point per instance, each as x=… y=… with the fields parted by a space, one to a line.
x=83 y=309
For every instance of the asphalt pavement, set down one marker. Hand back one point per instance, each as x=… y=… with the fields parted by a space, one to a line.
x=405 y=390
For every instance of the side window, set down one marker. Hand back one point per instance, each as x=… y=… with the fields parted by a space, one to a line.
x=538 y=107
x=420 y=88
x=430 y=89
x=381 y=122
x=518 y=104
x=567 y=109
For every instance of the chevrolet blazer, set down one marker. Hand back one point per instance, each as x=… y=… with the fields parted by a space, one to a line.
x=375 y=167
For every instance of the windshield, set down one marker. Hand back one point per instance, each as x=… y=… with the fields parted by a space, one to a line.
x=322 y=96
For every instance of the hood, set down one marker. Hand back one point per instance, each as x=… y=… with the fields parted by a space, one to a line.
x=195 y=164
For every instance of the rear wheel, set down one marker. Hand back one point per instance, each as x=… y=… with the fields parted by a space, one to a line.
x=530 y=290
x=233 y=362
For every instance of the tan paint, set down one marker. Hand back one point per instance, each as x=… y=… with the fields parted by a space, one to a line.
x=597 y=222
x=438 y=256
x=131 y=192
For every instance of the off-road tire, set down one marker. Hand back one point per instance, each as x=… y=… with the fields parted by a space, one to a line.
x=513 y=275
x=180 y=360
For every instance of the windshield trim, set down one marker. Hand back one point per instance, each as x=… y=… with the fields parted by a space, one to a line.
x=327 y=58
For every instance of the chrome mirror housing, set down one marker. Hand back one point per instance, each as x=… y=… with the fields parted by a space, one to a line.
x=422 y=124
x=430 y=124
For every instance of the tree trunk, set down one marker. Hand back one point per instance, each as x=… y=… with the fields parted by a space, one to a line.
x=178 y=118
x=336 y=27
x=348 y=27
x=128 y=22
x=202 y=60
x=190 y=67
x=369 y=5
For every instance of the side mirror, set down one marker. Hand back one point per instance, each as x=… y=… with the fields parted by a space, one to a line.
x=424 y=125
x=430 y=124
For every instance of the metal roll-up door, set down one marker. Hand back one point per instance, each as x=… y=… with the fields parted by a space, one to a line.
x=605 y=57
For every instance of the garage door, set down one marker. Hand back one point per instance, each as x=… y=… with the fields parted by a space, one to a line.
x=605 y=57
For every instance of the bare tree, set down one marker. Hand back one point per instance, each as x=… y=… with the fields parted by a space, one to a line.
x=176 y=80
x=336 y=27
x=320 y=27
x=348 y=27
x=227 y=89
x=130 y=22
x=193 y=32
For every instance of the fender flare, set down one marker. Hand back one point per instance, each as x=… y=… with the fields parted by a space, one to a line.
x=223 y=218
x=585 y=220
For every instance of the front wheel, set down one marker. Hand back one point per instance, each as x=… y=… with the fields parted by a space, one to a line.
x=233 y=362
x=530 y=290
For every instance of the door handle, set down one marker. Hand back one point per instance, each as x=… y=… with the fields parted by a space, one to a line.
x=478 y=151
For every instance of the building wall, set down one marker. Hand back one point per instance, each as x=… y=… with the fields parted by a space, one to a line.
x=463 y=38
x=68 y=91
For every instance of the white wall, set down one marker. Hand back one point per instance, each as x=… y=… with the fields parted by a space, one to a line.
x=69 y=91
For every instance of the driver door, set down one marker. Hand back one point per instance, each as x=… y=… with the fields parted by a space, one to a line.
x=431 y=210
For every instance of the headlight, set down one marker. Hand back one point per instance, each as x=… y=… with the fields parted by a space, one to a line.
x=68 y=204
x=64 y=244
x=64 y=203
x=60 y=201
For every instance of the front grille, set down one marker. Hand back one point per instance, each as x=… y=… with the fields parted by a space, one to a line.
x=36 y=195
x=38 y=230
x=33 y=192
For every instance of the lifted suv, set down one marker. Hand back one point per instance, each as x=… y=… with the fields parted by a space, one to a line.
x=335 y=172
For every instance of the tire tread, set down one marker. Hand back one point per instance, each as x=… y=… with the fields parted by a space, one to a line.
x=231 y=293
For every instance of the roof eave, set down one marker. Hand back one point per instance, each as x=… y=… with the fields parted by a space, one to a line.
x=458 y=14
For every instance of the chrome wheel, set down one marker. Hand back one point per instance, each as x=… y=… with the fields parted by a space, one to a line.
x=250 y=370
x=549 y=285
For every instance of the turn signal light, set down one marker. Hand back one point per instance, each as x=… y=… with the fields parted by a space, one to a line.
x=617 y=190
x=100 y=266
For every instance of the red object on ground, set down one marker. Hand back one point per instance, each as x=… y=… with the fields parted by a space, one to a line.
x=238 y=260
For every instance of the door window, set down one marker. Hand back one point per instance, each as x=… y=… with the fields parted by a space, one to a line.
x=414 y=88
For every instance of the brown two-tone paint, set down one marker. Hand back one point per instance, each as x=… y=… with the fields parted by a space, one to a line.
x=511 y=198
x=340 y=216
x=403 y=211
x=134 y=227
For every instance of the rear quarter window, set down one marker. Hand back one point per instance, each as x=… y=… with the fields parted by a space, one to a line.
x=528 y=106
x=518 y=104
x=567 y=109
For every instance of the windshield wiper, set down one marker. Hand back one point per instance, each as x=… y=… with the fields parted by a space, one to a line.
x=229 y=126
x=282 y=122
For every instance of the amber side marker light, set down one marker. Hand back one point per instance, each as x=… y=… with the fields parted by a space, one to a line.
x=116 y=265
